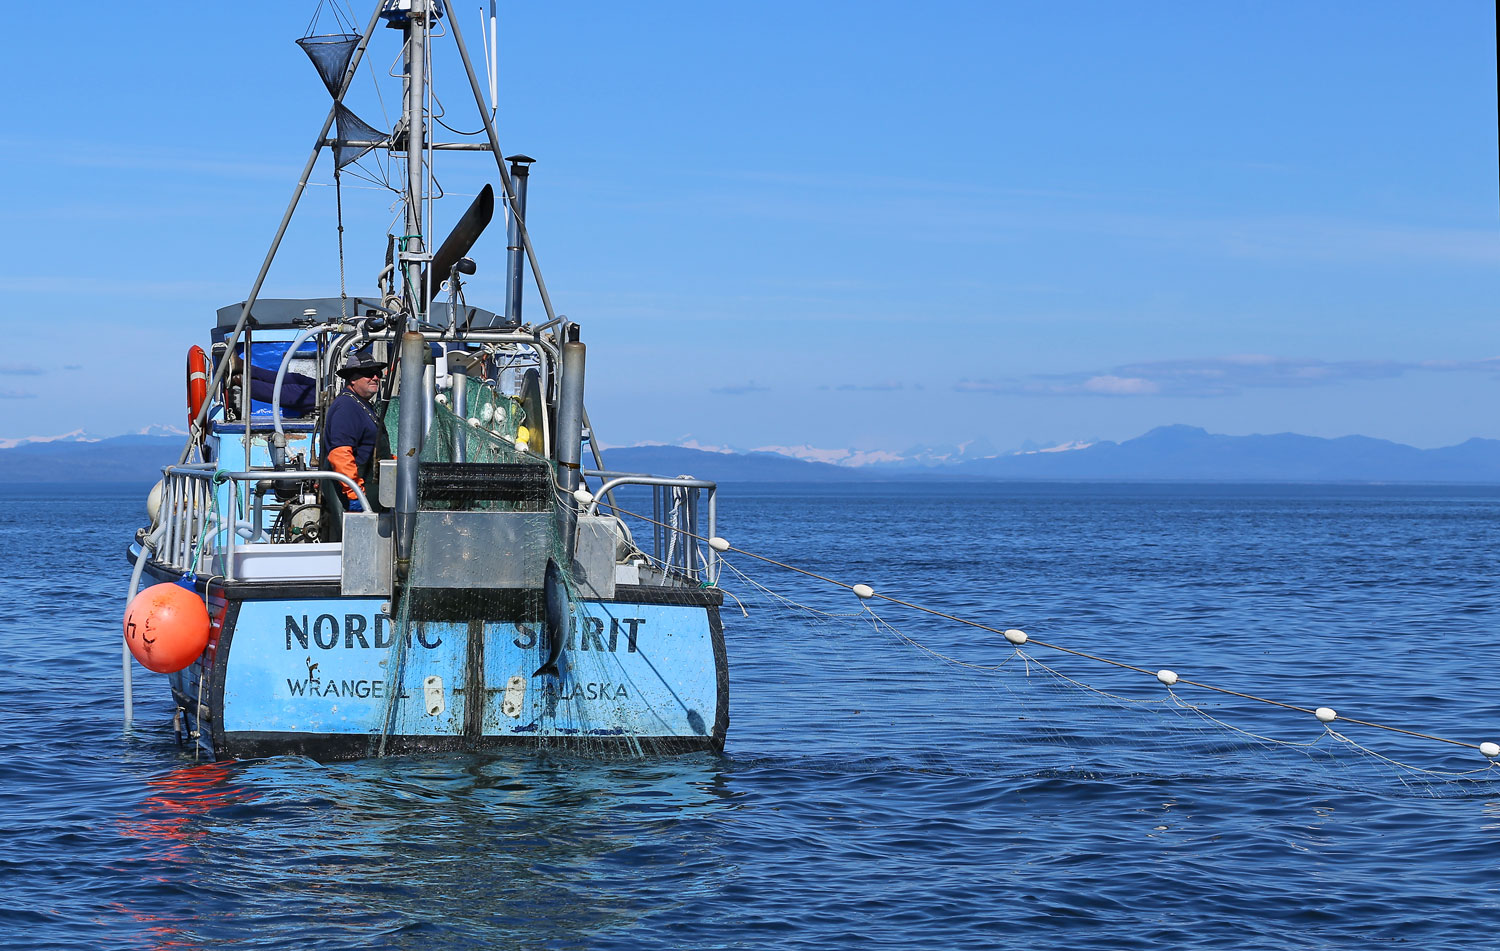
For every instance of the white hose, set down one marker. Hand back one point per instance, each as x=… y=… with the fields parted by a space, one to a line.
x=286 y=361
x=148 y=545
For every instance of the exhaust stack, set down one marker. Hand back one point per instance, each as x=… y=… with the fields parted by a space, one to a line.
x=570 y=433
x=520 y=171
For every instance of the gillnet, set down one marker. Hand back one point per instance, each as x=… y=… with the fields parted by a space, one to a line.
x=906 y=686
x=571 y=696
x=471 y=463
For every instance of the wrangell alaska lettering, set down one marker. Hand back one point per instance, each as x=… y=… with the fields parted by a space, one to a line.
x=336 y=688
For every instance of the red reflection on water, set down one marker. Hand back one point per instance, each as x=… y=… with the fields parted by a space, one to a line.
x=168 y=824
x=179 y=796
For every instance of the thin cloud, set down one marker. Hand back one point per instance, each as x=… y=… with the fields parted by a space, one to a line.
x=126 y=288
x=225 y=165
x=1218 y=376
x=1112 y=385
x=16 y=395
x=741 y=389
x=21 y=369
x=883 y=387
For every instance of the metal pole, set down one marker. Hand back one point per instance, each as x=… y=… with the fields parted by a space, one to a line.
x=458 y=373
x=713 y=532
x=202 y=511
x=510 y=191
x=416 y=46
x=656 y=512
x=171 y=508
x=408 y=445
x=570 y=434
x=429 y=404
x=690 y=549
x=234 y=522
x=245 y=387
x=598 y=456
x=386 y=143
x=184 y=524
x=520 y=170
x=286 y=219
x=259 y=518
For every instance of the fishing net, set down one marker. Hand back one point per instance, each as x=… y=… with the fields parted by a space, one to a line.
x=476 y=463
x=330 y=55
x=351 y=128
x=959 y=699
x=469 y=463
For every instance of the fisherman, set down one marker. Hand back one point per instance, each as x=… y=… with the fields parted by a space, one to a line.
x=354 y=435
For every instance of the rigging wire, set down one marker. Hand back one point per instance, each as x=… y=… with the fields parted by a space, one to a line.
x=376 y=185
x=338 y=200
x=344 y=26
x=867 y=593
x=450 y=128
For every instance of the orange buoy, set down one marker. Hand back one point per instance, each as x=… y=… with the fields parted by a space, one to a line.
x=166 y=628
x=197 y=382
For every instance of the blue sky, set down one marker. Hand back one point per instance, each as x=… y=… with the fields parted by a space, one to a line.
x=864 y=225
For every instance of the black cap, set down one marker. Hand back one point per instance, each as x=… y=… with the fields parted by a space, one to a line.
x=359 y=363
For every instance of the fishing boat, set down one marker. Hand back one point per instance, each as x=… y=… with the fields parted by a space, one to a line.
x=475 y=583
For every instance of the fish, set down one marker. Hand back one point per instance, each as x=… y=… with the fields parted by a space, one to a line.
x=555 y=621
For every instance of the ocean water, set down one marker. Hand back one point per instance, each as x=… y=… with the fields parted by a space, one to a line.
x=873 y=794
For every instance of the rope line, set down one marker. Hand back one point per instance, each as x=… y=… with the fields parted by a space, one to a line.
x=1047 y=644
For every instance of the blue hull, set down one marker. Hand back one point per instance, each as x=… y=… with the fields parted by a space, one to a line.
x=293 y=669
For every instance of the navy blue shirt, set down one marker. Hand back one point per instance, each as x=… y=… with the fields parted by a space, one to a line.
x=351 y=422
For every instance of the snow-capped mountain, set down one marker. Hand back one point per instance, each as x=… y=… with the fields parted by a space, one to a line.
x=161 y=429
x=914 y=457
x=81 y=436
x=76 y=435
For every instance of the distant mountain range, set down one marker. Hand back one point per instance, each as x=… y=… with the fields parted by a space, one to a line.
x=78 y=457
x=79 y=436
x=1187 y=453
x=1165 y=454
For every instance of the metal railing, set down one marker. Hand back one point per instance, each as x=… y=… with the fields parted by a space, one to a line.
x=675 y=536
x=194 y=532
x=187 y=509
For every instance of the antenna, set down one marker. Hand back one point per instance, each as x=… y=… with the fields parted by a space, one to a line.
x=492 y=48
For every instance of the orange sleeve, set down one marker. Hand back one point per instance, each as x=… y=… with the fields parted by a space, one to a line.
x=342 y=460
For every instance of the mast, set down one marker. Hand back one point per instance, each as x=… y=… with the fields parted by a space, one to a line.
x=414 y=18
x=417 y=15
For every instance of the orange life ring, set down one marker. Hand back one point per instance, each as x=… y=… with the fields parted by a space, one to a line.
x=197 y=382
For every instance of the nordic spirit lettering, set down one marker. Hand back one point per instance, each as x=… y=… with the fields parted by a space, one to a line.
x=590 y=634
x=356 y=631
x=328 y=631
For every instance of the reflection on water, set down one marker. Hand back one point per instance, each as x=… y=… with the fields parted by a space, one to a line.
x=177 y=797
x=462 y=847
